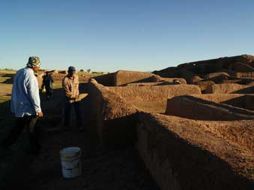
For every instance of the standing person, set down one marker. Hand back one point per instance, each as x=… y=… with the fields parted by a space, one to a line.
x=71 y=88
x=25 y=104
x=47 y=82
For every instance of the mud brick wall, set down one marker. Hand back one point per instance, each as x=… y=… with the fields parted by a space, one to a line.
x=125 y=77
x=94 y=117
x=229 y=88
x=153 y=98
x=187 y=154
x=122 y=78
x=106 y=80
x=112 y=120
x=196 y=108
x=244 y=74
x=145 y=84
x=237 y=100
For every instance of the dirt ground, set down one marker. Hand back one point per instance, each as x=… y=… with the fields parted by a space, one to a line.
x=101 y=169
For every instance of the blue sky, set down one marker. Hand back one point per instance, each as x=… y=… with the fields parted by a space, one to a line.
x=108 y=35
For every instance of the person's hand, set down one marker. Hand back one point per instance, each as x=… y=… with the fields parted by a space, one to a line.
x=39 y=114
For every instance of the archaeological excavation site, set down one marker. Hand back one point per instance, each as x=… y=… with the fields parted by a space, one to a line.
x=189 y=127
x=192 y=125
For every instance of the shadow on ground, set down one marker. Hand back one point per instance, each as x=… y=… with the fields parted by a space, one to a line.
x=101 y=168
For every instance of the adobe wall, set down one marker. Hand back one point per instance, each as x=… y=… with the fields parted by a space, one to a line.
x=244 y=74
x=238 y=100
x=145 y=84
x=188 y=154
x=153 y=98
x=121 y=78
x=204 y=85
x=106 y=80
x=230 y=88
x=179 y=153
x=200 y=109
x=125 y=77
x=112 y=120
x=218 y=98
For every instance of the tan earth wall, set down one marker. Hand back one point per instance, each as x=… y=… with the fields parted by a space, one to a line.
x=106 y=80
x=230 y=88
x=125 y=77
x=244 y=75
x=112 y=120
x=153 y=98
x=196 y=108
x=179 y=153
x=187 y=154
x=238 y=100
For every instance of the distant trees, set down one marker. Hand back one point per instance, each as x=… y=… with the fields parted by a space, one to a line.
x=7 y=69
x=82 y=70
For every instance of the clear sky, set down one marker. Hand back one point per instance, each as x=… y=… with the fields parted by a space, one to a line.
x=108 y=35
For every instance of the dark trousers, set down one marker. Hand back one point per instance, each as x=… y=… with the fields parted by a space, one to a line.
x=49 y=92
x=29 y=124
x=67 y=113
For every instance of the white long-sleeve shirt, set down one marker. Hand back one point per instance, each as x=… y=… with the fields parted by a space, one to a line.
x=25 y=100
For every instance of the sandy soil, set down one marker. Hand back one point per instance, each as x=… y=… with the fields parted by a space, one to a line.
x=101 y=169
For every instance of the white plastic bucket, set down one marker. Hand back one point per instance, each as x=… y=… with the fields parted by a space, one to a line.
x=70 y=161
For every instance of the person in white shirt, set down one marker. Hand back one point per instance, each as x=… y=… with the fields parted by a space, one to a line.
x=25 y=104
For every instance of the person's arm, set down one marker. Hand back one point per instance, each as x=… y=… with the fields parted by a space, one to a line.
x=33 y=91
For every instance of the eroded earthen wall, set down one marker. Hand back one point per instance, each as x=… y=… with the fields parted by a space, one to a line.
x=113 y=120
x=126 y=77
x=196 y=108
x=237 y=100
x=187 y=154
x=230 y=88
x=153 y=98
